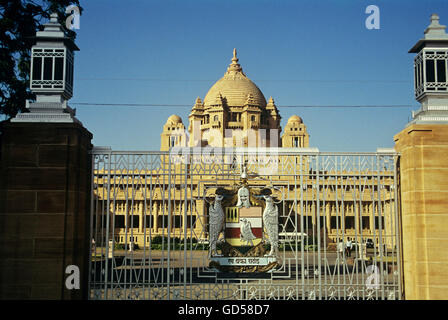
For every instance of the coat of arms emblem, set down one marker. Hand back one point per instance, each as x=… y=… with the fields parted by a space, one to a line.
x=247 y=220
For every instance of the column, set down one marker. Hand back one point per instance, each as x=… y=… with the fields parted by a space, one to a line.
x=45 y=189
x=423 y=185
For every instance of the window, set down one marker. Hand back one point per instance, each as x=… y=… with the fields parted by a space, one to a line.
x=349 y=222
x=365 y=222
x=216 y=118
x=295 y=142
x=377 y=223
x=134 y=221
x=172 y=141
x=149 y=223
x=37 y=68
x=162 y=221
x=415 y=77
x=177 y=221
x=191 y=221
x=430 y=74
x=335 y=223
x=420 y=73
x=48 y=68
x=58 y=68
x=119 y=221
x=252 y=118
x=441 y=71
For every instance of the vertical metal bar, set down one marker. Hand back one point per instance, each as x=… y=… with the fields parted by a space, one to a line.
x=325 y=232
x=363 y=245
x=92 y=199
x=302 y=244
x=185 y=228
x=112 y=227
x=398 y=226
x=295 y=220
x=107 y=228
x=169 y=230
x=336 y=183
x=145 y=217
x=358 y=225
x=380 y=225
x=318 y=231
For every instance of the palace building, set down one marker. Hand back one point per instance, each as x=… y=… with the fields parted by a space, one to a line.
x=234 y=113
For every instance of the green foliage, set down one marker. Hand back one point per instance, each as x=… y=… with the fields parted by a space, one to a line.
x=159 y=239
x=19 y=20
x=159 y=242
x=118 y=246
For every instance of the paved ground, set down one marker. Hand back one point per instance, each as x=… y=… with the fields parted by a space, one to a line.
x=336 y=279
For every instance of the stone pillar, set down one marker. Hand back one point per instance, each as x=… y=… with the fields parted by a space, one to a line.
x=424 y=209
x=45 y=185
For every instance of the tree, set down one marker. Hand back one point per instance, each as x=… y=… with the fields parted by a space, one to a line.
x=19 y=20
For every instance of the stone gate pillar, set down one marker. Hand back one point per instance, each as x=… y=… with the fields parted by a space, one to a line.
x=45 y=182
x=424 y=209
x=44 y=208
x=423 y=172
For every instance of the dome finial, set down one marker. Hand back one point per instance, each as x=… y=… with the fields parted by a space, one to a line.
x=234 y=66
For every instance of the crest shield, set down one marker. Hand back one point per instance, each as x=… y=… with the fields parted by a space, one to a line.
x=244 y=226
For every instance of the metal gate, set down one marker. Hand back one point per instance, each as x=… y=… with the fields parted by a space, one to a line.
x=338 y=227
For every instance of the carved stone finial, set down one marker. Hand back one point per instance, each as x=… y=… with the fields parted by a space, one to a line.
x=435 y=18
x=234 y=66
x=435 y=30
x=198 y=102
x=54 y=17
x=250 y=99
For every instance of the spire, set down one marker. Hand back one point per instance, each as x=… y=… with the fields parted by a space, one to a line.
x=198 y=107
x=198 y=103
x=272 y=107
x=219 y=99
x=234 y=67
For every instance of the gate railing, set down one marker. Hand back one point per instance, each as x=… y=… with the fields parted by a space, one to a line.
x=150 y=224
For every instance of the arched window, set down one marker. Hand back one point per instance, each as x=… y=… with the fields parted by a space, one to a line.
x=215 y=118
x=252 y=118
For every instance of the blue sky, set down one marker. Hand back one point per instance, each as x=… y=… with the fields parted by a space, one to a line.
x=298 y=52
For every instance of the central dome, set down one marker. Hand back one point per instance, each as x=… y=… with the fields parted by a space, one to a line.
x=235 y=87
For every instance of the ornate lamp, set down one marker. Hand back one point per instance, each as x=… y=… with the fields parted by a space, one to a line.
x=431 y=73
x=51 y=77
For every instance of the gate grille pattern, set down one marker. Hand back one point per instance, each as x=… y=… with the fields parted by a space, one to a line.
x=149 y=231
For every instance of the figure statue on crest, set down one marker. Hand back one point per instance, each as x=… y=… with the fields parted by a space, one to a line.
x=270 y=221
x=216 y=221
x=243 y=197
